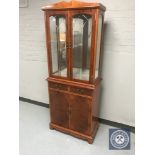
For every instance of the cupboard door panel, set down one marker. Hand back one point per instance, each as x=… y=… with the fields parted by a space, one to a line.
x=80 y=114
x=59 y=106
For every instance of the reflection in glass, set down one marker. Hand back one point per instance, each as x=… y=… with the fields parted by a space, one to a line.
x=58 y=45
x=98 y=45
x=82 y=28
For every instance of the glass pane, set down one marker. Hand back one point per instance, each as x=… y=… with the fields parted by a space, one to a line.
x=58 y=45
x=98 y=45
x=82 y=28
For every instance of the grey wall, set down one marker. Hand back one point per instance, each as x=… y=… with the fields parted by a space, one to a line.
x=117 y=96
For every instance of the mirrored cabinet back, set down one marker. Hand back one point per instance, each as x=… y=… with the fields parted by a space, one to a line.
x=74 y=33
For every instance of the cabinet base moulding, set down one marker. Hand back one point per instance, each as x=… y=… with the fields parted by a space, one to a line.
x=89 y=138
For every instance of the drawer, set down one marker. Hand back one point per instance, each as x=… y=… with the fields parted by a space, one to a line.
x=58 y=86
x=81 y=91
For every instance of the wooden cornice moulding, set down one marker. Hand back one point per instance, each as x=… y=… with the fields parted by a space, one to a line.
x=63 y=5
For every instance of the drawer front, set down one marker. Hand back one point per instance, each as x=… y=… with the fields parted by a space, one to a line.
x=58 y=86
x=71 y=89
x=81 y=91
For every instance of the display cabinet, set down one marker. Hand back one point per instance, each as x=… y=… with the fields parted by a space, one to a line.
x=74 y=32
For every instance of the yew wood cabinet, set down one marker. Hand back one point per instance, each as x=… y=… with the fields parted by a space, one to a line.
x=73 y=39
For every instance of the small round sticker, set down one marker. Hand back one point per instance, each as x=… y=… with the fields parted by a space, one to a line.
x=119 y=139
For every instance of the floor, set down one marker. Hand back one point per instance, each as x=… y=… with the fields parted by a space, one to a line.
x=37 y=139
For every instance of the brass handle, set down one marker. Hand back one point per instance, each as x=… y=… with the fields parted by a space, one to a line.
x=69 y=112
x=57 y=85
x=80 y=90
x=66 y=45
x=70 y=45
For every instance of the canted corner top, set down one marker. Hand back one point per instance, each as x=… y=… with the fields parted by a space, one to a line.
x=63 y=5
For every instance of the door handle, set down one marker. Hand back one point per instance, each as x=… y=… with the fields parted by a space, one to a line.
x=66 y=45
x=70 y=45
x=69 y=112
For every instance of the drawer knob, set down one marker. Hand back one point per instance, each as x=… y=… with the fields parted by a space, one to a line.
x=80 y=90
x=57 y=86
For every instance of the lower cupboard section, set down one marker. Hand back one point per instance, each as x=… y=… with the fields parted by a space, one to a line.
x=71 y=111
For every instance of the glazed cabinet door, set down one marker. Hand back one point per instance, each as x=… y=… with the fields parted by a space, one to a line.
x=81 y=39
x=59 y=108
x=80 y=114
x=56 y=36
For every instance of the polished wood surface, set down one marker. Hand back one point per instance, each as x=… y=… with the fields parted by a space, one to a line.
x=80 y=108
x=74 y=107
x=60 y=108
x=73 y=5
x=74 y=103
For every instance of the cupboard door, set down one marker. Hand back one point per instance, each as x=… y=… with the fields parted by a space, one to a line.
x=59 y=107
x=58 y=40
x=81 y=45
x=80 y=114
